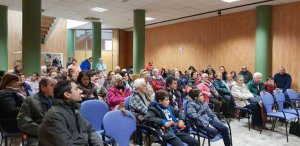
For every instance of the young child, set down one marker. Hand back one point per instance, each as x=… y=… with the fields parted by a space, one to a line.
x=171 y=119
x=270 y=85
x=199 y=112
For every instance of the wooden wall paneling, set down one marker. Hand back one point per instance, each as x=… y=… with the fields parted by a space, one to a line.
x=286 y=40
x=227 y=40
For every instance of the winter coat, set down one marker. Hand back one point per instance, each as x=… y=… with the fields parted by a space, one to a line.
x=241 y=94
x=116 y=96
x=64 y=126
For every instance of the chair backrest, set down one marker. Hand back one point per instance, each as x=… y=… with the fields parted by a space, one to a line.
x=93 y=111
x=292 y=95
x=127 y=103
x=267 y=100
x=280 y=98
x=119 y=127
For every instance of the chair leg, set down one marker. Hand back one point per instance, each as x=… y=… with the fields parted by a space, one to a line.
x=286 y=132
x=208 y=142
x=11 y=139
x=203 y=142
x=249 y=121
x=5 y=141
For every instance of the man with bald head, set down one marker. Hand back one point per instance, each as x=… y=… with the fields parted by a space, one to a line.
x=246 y=74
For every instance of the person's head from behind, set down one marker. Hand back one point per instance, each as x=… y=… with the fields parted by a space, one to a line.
x=18 y=69
x=10 y=80
x=84 y=78
x=172 y=83
x=46 y=86
x=257 y=77
x=145 y=74
x=100 y=60
x=196 y=94
x=162 y=97
x=67 y=91
x=155 y=72
x=117 y=69
x=90 y=59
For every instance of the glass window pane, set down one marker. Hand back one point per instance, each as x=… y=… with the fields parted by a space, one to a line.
x=80 y=41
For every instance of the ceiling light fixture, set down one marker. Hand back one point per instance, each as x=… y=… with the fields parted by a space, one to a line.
x=149 y=18
x=230 y=1
x=98 y=9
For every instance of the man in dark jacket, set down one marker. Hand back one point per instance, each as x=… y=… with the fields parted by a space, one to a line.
x=246 y=74
x=62 y=124
x=33 y=108
x=86 y=64
x=161 y=114
x=282 y=80
x=56 y=62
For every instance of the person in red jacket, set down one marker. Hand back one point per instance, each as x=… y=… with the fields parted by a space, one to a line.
x=157 y=82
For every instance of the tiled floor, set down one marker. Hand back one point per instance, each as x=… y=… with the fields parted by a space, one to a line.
x=243 y=137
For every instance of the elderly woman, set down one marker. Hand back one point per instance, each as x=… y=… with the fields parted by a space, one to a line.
x=240 y=92
x=140 y=100
x=225 y=93
x=210 y=94
x=157 y=81
x=146 y=75
x=117 y=92
x=243 y=96
x=230 y=81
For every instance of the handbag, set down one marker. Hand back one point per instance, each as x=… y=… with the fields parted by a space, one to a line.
x=295 y=128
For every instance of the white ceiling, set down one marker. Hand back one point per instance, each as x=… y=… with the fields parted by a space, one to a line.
x=120 y=14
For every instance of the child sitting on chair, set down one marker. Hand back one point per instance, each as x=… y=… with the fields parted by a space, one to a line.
x=199 y=112
x=171 y=120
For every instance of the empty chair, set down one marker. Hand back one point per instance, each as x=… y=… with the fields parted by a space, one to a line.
x=268 y=102
x=280 y=100
x=93 y=111
x=293 y=95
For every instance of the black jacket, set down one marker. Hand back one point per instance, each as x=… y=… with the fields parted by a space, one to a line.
x=31 y=115
x=64 y=126
x=156 y=117
x=10 y=103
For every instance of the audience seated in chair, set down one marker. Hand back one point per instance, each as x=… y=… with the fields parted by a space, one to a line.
x=33 y=109
x=199 y=112
x=62 y=124
x=117 y=92
x=140 y=100
x=163 y=115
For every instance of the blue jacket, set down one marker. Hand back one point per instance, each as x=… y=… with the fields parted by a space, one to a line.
x=283 y=81
x=85 y=65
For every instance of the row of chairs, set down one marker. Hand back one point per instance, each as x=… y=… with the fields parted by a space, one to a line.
x=116 y=128
x=285 y=114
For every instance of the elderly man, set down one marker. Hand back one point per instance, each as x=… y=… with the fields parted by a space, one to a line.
x=33 y=108
x=246 y=74
x=255 y=86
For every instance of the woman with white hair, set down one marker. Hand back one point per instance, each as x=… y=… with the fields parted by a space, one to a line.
x=240 y=92
x=117 y=92
x=157 y=81
x=140 y=100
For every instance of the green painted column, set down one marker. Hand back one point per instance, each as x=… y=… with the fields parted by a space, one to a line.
x=3 y=39
x=96 y=43
x=263 y=40
x=31 y=36
x=71 y=49
x=138 y=41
